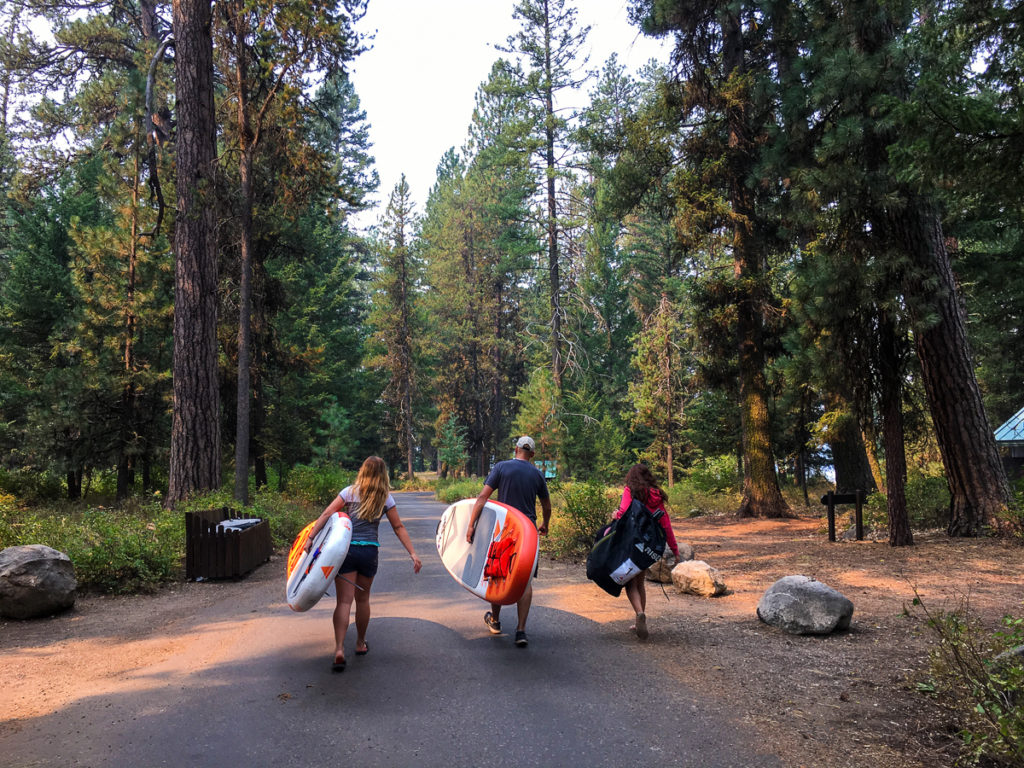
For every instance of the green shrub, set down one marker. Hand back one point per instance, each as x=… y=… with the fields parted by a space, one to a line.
x=31 y=486
x=588 y=506
x=421 y=482
x=584 y=508
x=976 y=675
x=927 y=501
x=713 y=474
x=450 y=491
x=138 y=546
x=686 y=501
x=928 y=498
x=317 y=485
x=113 y=550
x=1013 y=520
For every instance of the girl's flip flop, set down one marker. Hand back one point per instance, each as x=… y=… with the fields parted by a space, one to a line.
x=366 y=650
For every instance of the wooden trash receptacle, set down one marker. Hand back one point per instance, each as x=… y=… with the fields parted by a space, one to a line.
x=219 y=545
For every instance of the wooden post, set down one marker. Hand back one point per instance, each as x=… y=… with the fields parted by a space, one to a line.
x=859 y=515
x=831 y=501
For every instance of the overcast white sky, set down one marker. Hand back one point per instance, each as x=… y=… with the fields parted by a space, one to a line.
x=419 y=81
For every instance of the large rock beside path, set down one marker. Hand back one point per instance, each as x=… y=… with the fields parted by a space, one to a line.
x=801 y=605
x=35 y=580
x=695 y=577
x=661 y=571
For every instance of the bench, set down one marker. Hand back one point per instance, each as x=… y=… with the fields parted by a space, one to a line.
x=832 y=498
x=219 y=545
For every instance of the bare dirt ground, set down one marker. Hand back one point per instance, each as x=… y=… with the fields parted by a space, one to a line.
x=848 y=700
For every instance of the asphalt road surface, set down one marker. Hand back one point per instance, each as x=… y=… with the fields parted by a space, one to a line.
x=436 y=688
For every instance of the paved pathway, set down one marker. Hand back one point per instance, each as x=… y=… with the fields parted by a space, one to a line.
x=254 y=688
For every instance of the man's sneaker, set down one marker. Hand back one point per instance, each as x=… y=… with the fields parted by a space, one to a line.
x=521 y=640
x=492 y=623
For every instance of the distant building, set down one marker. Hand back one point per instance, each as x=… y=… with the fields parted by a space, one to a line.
x=1010 y=439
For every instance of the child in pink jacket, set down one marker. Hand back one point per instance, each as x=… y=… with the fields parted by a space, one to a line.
x=641 y=485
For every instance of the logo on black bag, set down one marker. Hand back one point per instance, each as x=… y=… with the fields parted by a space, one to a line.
x=647 y=550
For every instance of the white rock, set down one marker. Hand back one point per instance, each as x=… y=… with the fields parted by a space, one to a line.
x=695 y=577
x=661 y=571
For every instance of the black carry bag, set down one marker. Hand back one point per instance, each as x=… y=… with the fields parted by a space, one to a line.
x=633 y=543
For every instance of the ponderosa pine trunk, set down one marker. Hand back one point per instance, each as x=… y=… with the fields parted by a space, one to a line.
x=977 y=480
x=891 y=406
x=762 y=496
x=850 y=459
x=247 y=149
x=195 y=427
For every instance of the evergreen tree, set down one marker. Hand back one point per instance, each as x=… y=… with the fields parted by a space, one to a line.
x=721 y=53
x=550 y=43
x=478 y=246
x=105 y=63
x=43 y=408
x=394 y=315
x=270 y=51
x=860 y=91
x=451 y=448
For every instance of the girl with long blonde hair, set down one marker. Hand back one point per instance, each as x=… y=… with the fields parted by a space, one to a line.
x=366 y=501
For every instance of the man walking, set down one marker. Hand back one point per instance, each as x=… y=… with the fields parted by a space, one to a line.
x=519 y=484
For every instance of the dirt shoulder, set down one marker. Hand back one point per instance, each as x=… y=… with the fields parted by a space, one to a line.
x=848 y=700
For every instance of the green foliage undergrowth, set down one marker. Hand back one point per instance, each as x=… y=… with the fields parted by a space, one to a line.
x=450 y=491
x=979 y=676
x=585 y=508
x=927 y=501
x=138 y=546
x=317 y=485
x=113 y=550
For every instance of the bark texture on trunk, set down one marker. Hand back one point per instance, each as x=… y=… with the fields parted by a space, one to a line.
x=977 y=481
x=850 y=459
x=247 y=149
x=195 y=428
x=891 y=397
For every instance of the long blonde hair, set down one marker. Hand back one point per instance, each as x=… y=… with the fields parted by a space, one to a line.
x=372 y=486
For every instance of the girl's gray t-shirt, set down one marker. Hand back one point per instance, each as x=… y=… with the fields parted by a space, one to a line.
x=363 y=531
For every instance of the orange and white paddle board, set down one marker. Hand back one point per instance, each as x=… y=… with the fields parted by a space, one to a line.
x=311 y=573
x=500 y=562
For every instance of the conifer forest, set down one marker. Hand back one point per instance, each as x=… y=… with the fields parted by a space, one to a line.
x=790 y=250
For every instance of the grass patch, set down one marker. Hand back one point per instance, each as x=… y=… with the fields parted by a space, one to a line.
x=450 y=491
x=140 y=545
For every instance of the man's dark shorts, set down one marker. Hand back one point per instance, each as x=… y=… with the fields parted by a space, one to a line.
x=361 y=558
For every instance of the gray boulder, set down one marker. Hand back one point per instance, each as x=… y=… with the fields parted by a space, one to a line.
x=661 y=571
x=801 y=605
x=35 y=580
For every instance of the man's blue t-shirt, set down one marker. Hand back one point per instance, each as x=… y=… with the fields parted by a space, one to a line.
x=519 y=484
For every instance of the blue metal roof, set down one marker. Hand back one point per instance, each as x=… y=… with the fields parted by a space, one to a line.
x=1012 y=432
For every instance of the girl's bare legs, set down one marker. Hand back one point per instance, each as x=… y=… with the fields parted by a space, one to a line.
x=636 y=591
x=362 y=597
x=345 y=586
